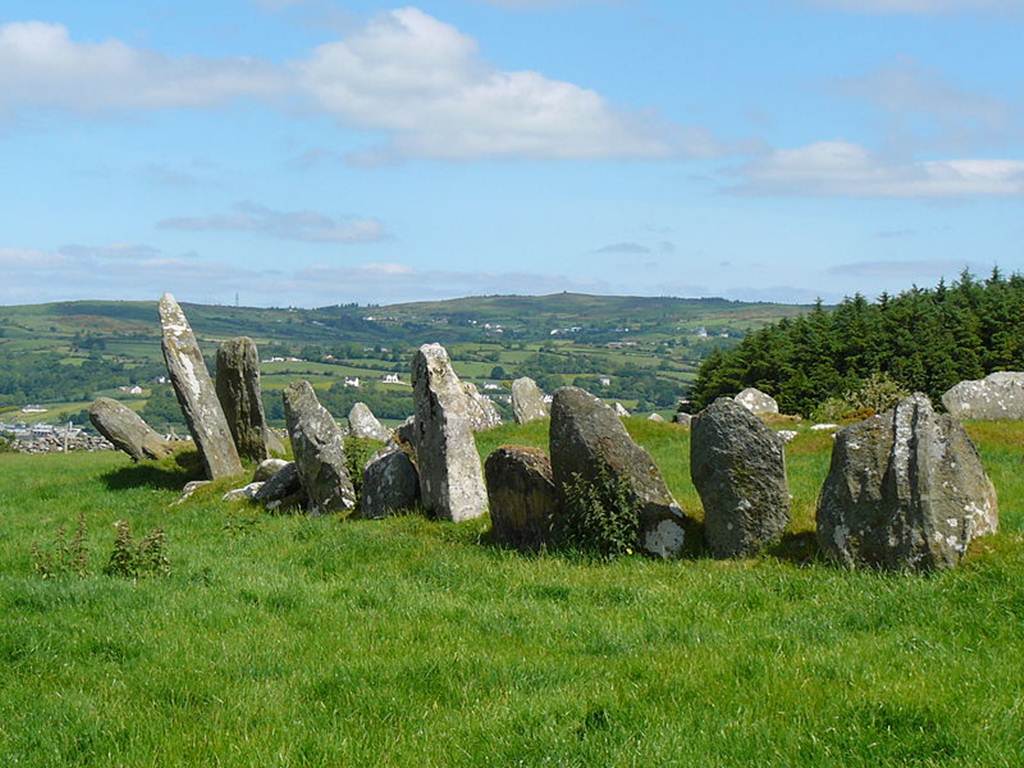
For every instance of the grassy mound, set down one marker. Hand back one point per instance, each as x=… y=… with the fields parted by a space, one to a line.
x=285 y=641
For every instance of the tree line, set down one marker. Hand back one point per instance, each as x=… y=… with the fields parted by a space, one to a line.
x=926 y=340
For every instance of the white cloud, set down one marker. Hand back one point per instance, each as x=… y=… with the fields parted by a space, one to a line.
x=304 y=226
x=418 y=81
x=41 y=66
x=921 y=6
x=844 y=169
x=424 y=83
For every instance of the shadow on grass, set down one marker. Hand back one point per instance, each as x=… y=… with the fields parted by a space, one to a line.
x=168 y=475
x=799 y=548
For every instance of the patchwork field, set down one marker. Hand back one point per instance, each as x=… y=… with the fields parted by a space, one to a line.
x=286 y=641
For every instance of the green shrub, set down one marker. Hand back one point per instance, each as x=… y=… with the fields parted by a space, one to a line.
x=359 y=451
x=6 y=443
x=599 y=518
x=875 y=394
x=132 y=560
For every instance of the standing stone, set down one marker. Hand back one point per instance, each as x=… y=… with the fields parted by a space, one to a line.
x=126 y=430
x=738 y=466
x=451 y=480
x=999 y=396
x=757 y=402
x=196 y=393
x=528 y=401
x=390 y=484
x=656 y=417
x=483 y=413
x=267 y=469
x=319 y=447
x=521 y=495
x=620 y=410
x=683 y=418
x=586 y=436
x=905 y=490
x=241 y=397
x=405 y=434
x=362 y=423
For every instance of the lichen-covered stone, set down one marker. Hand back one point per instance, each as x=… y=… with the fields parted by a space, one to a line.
x=685 y=419
x=319 y=447
x=483 y=414
x=757 y=402
x=245 y=493
x=390 y=484
x=126 y=430
x=451 y=478
x=282 y=490
x=241 y=398
x=738 y=466
x=997 y=397
x=586 y=436
x=906 y=490
x=528 y=401
x=362 y=423
x=521 y=495
x=196 y=393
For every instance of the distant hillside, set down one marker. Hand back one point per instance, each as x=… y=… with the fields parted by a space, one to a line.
x=643 y=351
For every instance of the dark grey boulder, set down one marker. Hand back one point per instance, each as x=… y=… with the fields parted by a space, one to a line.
x=241 y=398
x=586 y=436
x=282 y=490
x=319 y=447
x=528 y=401
x=196 y=393
x=390 y=484
x=521 y=495
x=738 y=466
x=451 y=478
x=999 y=396
x=267 y=469
x=906 y=490
x=126 y=430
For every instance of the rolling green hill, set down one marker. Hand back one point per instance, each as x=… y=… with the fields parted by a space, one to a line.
x=648 y=348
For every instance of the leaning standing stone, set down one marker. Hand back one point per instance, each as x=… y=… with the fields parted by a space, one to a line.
x=586 y=436
x=319 y=447
x=905 y=490
x=451 y=479
x=528 y=401
x=390 y=484
x=521 y=495
x=126 y=430
x=196 y=393
x=738 y=466
x=240 y=395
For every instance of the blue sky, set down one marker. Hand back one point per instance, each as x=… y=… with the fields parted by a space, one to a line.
x=312 y=152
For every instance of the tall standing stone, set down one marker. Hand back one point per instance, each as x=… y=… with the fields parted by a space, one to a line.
x=451 y=478
x=738 y=466
x=196 y=393
x=587 y=437
x=528 y=401
x=905 y=490
x=126 y=430
x=241 y=397
x=319 y=447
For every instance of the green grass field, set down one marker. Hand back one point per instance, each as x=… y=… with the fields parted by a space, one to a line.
x=286 y=641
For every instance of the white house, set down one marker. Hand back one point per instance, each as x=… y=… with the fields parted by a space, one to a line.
x=352 y=382
x=390 y=378
x=605 y=381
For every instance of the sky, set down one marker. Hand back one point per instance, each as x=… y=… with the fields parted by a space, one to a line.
x=320 y=152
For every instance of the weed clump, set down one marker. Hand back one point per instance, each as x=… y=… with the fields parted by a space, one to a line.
x=64 y=557
x=599 y=518
x=132 y=559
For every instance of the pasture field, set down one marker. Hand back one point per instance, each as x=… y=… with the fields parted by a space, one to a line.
x=289 y=641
